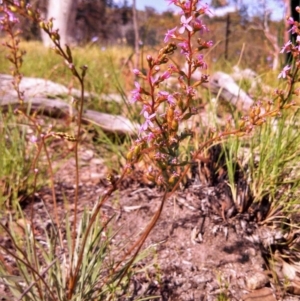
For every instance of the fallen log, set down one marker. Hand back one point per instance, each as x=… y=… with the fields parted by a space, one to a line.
x=60 y=109
x=225 y=87
x=47 y=98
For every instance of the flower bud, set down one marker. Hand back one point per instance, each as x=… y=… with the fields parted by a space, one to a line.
x=174 y=125
x=172 y=180
x=50 y=24
x=170 y=114
x=30 y=13
x=12 y=8
x=252 y=113
x=137 y=150
x=242 y=124
x=150 y=177
x=268 y=106
x=42 y=25
x=136 y=72
x=69 y=54
x=256 y=110
x=274 y=113
x=129 y=155
x=260 y=121
x=83 y=70
x=57 y=36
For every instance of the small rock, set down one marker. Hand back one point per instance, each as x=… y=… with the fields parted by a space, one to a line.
x=257 y=280
x=97 y=161
x=251 y=252
x=87 y=155
x=264 y=294
x=96 y=176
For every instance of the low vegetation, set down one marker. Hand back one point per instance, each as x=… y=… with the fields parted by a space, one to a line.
x=73 y=260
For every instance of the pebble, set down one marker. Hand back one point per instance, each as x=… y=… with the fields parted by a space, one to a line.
x=257 y=280
x=87 y=155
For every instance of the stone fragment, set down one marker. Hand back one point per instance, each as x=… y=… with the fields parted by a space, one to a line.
x=257 y=280
x=264 y=294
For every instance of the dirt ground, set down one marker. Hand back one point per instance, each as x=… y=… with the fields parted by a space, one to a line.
x=203 y=250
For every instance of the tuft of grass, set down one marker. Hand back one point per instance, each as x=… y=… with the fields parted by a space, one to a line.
x=270 y=162
x=16 y=155
x=107 y=69
x=274 y=160
x=42 y=263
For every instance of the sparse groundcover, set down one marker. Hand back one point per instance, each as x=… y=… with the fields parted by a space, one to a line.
x=188 y=211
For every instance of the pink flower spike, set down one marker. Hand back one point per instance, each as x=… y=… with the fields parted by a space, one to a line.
x=185 y=24
x=170 y=34
x=285 y=71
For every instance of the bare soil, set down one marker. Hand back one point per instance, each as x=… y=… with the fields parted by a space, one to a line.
x=204 y=248
x=205 y=245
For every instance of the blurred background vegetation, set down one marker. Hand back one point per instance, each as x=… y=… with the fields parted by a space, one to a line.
x=246 y=33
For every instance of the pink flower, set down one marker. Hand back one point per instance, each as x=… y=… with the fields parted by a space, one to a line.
x=33 y=139
x=171 y=99
x=172 y=69
x=148 y=123
x=285 y=71
x=136 y=93
x=150 y=136
x=190 y=91
x=185 y=24
x=286 y=47
x=199 y=62
x=199 y=26
x=136 y=71
x=170 y=34
x=205 y=9
x=167 y=96
x=290 y=21
x=207 y=44
x=184 y=47
x=165 y=75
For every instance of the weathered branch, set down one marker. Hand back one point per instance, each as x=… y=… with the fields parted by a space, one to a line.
x=37 y=92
